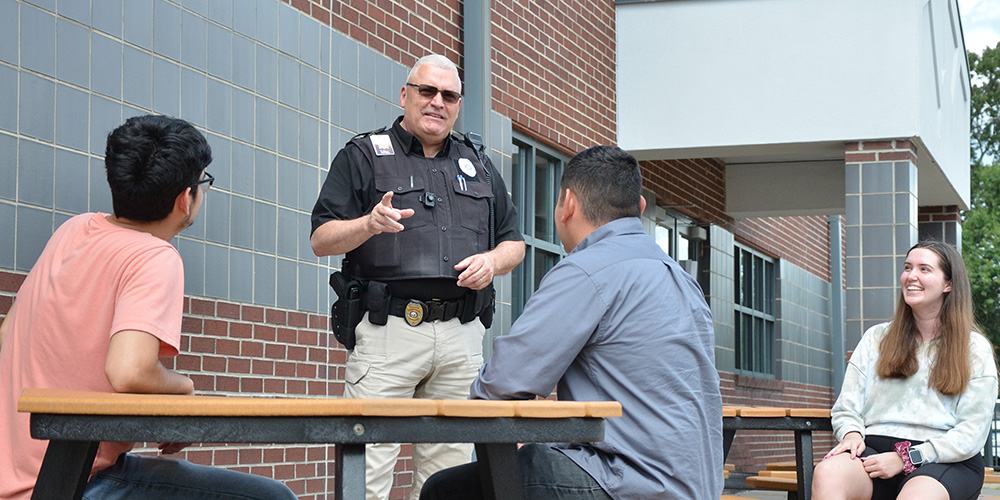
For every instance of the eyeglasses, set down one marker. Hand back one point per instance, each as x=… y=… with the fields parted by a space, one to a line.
x=429 y=91
x=208 y=178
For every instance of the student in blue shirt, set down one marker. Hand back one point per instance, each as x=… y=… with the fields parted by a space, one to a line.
x=616 y=320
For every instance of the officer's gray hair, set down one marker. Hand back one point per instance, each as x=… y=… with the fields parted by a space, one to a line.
x=438 y=61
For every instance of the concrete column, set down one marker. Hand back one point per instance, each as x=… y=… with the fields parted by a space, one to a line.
x=881 y=225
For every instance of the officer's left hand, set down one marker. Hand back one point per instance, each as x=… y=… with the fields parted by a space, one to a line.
x=477 y=271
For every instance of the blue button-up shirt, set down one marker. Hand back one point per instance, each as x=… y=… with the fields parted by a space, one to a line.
x=619 y=320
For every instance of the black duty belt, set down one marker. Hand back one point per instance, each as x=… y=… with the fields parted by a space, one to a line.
x=417 y=311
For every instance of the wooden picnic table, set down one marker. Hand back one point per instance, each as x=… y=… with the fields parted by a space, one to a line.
x=75 y=422
x=801 y=421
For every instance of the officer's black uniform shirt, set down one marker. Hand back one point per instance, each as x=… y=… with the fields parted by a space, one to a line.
x=349 y=193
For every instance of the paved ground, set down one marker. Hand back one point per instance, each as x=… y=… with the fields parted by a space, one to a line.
x=990 y=492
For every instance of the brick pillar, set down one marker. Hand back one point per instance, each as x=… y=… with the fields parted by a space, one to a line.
x=881 y=225
x=943 y=223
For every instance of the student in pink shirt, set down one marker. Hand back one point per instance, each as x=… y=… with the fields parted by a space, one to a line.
x=102 y=304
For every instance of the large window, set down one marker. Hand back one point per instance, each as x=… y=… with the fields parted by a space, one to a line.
x=754 y=320
x=535 y=189
x=671 y=231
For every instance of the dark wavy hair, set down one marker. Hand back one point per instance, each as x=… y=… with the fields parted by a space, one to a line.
x=607 y=182
x=898 y=349
x=150 y=160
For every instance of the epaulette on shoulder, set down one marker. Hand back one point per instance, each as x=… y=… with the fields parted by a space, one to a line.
x=370 y=132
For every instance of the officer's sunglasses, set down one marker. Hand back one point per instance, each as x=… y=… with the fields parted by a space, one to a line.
x=429 y=91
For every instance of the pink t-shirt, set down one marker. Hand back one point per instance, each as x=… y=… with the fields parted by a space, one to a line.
x=93 y=279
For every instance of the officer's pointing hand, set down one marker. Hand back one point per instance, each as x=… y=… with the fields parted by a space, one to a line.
x=384 y=218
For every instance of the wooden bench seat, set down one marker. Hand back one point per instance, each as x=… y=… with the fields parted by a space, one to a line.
x=786 y=474
x=772 y=483
x=776 y=481
x=783 y=465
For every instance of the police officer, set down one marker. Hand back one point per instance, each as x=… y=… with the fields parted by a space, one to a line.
x=426 y=223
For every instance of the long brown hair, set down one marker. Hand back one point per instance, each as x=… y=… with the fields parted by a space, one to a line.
x=898 y=351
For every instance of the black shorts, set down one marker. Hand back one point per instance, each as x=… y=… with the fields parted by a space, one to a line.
x=963 y=480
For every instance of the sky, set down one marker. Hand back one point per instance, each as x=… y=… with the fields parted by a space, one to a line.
x=980 y=23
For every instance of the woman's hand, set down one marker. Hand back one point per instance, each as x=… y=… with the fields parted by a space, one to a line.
x=883 y=465
x=852 y=443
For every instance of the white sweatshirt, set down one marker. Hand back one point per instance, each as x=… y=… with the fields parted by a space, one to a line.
x=953 y=428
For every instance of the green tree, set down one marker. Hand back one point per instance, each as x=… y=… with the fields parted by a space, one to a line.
x=981 y=227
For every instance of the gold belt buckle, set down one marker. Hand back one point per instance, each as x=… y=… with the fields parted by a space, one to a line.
x=414 y=313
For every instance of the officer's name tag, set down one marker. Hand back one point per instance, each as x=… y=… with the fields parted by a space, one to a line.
x=382 y=145
x=466 y=167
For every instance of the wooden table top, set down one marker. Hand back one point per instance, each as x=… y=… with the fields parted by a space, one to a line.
x=57 y=401
x=764 y=412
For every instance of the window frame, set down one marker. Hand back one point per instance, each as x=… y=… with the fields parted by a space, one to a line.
x=527 y=197
x=678 y=225
x=754 y=306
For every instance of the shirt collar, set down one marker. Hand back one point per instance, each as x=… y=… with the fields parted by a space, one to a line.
x=412 y=145
x=617 y=227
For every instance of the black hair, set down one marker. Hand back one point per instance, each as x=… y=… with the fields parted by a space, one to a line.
x=607 y=182
x=150 y=160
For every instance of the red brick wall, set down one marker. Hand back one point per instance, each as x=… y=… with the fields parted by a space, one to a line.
x=945 y=213
x=553 y=64
x=554 y=70
x=880 y=150
x=803 y=241
x=403 y=30
x=696 y=188
x=9 y=284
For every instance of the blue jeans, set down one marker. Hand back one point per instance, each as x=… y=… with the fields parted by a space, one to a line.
x=159 y=478
x=546 y=474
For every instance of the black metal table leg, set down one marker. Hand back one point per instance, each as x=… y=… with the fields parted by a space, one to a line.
x=727 y=442
x=65 y=470
x=499 y=471
x=350 y=471
x=804 y=463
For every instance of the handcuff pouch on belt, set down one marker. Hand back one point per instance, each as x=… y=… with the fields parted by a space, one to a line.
x=377 y=302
